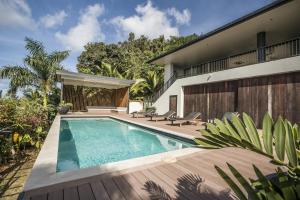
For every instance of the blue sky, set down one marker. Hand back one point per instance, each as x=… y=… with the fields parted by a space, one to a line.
x=69 y=24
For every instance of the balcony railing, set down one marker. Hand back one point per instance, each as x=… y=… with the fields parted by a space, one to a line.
x=269 y=53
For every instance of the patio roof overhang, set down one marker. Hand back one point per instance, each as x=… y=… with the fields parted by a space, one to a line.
x=80 y=79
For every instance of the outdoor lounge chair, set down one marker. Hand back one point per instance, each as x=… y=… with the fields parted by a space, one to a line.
x=191 y=118
x=147 y=113
x=163 y=117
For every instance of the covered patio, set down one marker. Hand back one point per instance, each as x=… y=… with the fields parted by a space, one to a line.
x=91 y=92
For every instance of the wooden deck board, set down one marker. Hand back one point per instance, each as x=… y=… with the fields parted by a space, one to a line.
x=112 y=190
x=85 y=192
x=56 y=195
x=169 y=176
x=71 y=193
x=99 y=191
x=126 y=188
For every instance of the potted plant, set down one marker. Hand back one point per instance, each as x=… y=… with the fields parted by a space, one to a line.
x=64 y=107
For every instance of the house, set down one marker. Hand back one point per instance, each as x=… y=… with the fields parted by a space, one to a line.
x=249 y=65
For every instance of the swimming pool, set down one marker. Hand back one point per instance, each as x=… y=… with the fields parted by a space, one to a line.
x=87 y=142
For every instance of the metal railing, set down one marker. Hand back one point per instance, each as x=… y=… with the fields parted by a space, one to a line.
x=277 y=51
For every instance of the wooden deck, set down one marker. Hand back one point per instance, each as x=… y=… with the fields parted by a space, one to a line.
x=190 y=177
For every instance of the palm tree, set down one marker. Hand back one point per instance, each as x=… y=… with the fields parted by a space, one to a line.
x=39 y=70
x=148 y=85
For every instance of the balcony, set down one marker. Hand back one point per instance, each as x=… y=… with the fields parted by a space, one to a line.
x=273 y=52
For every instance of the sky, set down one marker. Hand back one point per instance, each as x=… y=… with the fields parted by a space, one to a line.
x=70 y=24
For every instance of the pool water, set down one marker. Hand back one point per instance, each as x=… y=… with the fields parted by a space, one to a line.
x=85 y=142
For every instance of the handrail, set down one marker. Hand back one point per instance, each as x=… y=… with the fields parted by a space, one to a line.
x=272 y=52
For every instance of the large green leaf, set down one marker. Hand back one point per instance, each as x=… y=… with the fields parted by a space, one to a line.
x=222 y=127
x=286 y=185
x=267 y=133
x=232 y=130
x=212 y=128
x=207 y=143
x=231 y=184
x=279 y=134
x=238 y=124
x=290 y=145
x=246 y=185
x=252 y=131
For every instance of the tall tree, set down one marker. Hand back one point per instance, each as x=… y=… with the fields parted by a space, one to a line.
x=129 y=59
x=39 y=70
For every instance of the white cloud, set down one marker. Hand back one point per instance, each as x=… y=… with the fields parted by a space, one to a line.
x=88 y=29
x=151 y=22
x=50 y=21
x=181 y=18
x=16 y=13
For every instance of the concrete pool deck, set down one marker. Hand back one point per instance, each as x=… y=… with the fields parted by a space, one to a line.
x=182 y=177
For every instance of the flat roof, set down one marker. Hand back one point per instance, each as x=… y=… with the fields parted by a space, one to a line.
x=88 y=80
x=242 y=19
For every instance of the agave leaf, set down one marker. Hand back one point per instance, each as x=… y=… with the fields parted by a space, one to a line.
x=252 y=131
x=279 y=134
x=246 y=185
x=213 y=129
x=238 y=124
x=231 y=183
x=231 y=130
x=290 y=145
x=222 y=127
x=267 y=133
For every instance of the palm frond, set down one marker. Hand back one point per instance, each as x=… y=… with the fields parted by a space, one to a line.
x=34 y=47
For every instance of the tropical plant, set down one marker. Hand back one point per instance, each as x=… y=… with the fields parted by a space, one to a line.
x=147 y=85
x=281 y=136
x=128 y=59
x=39 y=70
x=279 y=187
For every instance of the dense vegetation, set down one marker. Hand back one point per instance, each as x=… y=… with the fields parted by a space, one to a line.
x=24 y=121
x=128 y=60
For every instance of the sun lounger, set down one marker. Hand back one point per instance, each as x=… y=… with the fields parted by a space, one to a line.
x=191 y=118
x=163 y=117
x=147 y=113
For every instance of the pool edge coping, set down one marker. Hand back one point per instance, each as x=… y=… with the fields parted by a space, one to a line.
x=44 y=173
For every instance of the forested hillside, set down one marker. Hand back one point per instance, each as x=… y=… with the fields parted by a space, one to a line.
x=128 y=60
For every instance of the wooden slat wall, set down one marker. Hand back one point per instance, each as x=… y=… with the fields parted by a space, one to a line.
x=253 y=98
x=221 y=99
x=286 y=96
x=82 y=97
x=122 y=97
x=211 y=100
x=281 y=93
x=195 y=99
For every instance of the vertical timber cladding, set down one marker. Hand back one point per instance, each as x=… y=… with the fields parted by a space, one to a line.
x=278 y=95
x=81 y=97
x=253 y=98
x=212 y=100
x=286 y=96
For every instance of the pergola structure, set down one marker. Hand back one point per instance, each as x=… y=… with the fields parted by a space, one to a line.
x=90 y=91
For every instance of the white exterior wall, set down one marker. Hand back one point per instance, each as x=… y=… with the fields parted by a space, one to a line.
x=262 y=69
x=135 y=106
x=168 y=72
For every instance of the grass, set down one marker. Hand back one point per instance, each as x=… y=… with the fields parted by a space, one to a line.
x=14 y=175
